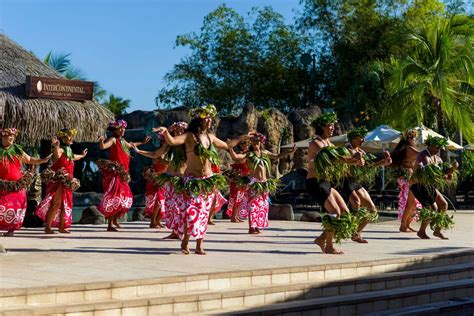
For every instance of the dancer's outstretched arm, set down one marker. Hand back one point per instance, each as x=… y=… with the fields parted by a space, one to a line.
x=171 y=140
x=25 y=158
x=280 y=155
x=82 y=155
x=235 y=156
x=107 y=143
x=152 y=154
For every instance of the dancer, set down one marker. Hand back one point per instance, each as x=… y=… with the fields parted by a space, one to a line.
x=155 y=190
x=403 y=159
x=118 y=197
x=56 y=207
x=171 y=162
x=196 y=189
x=240 y=171
x=431 y=174
x=13 y=182
x=353 y=189
x=327 y=164
x=259 y=185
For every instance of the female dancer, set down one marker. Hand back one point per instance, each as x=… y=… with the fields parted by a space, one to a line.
x=431 y=174
x=325 y=164
x=171 y=162
x=259 y=185
x=404 y=158
x=238 y=192
x=196 y=189
x=13 y=182
x=353 y=189
x=118 y=197
x=60 y=183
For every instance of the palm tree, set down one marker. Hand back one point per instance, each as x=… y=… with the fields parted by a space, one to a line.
x=436 y=78
x=61 y=62
x=116 y=105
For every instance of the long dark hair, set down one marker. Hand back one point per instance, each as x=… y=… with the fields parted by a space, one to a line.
x=319 y=130
x=194 y=126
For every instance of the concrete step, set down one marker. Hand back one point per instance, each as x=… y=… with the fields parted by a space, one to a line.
x=224 y=281
x=454 y=307
x=368 y=302
x=206 y=301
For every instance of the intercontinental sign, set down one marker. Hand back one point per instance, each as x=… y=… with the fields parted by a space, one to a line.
x=61 y=89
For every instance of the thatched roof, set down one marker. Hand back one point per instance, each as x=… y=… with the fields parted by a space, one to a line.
x=41 y=118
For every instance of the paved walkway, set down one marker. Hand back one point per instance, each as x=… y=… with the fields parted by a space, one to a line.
x=90 y=254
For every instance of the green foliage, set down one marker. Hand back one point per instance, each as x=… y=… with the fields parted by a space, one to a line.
x=328 y=165
x=343 y=227
x=270 y=186
x=197 y=186
x=441 y=221
x=435 y=76
x=116 y=105
x=256 y=161
x=14 y=151
x=425 y=214
x=210 y=154
x=366 y=174
x=467 y=166
x=176 y=156
x=68 y=152
x=364 y=215
x=234 y=61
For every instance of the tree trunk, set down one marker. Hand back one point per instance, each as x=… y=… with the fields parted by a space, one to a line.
x=440 y=122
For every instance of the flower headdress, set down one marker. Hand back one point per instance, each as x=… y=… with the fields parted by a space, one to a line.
x=204 y=111
x=176 y=126
x=325 y=119
x=358 y=132
x=411 y=133
x=66 y=132
x=439 y=142
x=259 y=137
x=117 y=124
x=9 y=131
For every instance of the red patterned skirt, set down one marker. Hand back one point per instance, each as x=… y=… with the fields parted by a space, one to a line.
x=12 y=209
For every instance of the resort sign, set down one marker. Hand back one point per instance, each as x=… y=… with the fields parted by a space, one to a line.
x=61 y=89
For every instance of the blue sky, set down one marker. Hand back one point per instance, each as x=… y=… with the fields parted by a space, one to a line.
x=127 y=46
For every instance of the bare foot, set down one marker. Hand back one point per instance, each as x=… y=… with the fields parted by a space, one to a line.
x=422 y=235
x=117 y=224
x=159 y=225
x=253 y=231
x=403 y=229
x=211 y=223
x=236 y=220
x=184 y=249
x=440 y=235
x=412 y=230
x=321 y=242
x=257 y=230
x=153 y=226
x=9 y=233
x=200 y=252
x=333 y=251
x=171 y=236
x=359 y=239
x=112 y=229
x=64 y=231
x=49 y=231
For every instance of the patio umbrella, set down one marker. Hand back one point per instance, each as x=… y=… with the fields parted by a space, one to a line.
x=423 y=132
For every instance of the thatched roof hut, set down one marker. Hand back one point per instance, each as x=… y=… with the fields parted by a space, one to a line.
x=40 y=119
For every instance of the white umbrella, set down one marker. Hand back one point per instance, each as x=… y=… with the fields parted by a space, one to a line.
x=380 y=137
x=422 y=135
x=336 y=140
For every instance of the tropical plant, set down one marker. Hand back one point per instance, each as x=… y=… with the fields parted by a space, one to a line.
x=116 y=105
x=436 y=76
x=61 y=62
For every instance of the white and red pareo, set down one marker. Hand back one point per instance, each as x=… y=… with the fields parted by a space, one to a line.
x=117 y=197
x=59 y=180
x=193 y=211
x=154 y=194
x=238 y=194
x=13 y=186
x=404 y=186
x=173 y=218
x=220 y=199
x=258 y=206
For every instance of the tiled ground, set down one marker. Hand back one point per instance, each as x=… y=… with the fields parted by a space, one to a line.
x=90 y=254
